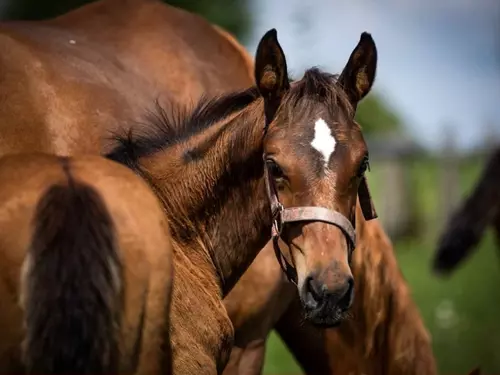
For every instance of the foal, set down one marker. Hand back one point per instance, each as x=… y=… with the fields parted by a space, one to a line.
x=86 y=265
x=283 y=156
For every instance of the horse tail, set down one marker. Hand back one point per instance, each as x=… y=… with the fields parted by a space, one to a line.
x=467 y=225
x=72 y=285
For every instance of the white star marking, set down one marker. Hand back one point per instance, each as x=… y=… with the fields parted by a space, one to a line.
x=323 y=141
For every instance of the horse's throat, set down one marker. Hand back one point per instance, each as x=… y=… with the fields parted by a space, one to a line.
x=239 y=232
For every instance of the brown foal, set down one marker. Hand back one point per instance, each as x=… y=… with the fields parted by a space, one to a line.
x=256 y=159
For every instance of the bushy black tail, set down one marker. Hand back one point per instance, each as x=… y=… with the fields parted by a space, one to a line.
x=72 y=281
x=467 y=225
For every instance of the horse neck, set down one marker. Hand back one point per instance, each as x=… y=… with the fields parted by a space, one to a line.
x=213 y=189
x=383 y=303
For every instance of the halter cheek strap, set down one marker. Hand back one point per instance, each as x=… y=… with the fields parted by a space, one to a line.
x=281 y=216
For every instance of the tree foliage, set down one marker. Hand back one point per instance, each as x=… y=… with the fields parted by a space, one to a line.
x=232 y=15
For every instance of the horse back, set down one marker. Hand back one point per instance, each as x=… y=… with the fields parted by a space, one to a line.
x=175 y=50
x=66 y=83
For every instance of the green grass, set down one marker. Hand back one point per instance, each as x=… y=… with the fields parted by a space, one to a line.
x=472 y=336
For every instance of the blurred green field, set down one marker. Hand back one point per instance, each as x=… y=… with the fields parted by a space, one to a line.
x=470 y=333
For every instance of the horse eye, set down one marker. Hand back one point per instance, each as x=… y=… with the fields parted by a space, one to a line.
x=275 y=169
x=365 y=164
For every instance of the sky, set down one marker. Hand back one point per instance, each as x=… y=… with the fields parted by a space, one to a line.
x=438 y=60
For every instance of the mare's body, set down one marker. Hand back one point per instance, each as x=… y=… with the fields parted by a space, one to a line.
x=67 y=82
x=86 y=265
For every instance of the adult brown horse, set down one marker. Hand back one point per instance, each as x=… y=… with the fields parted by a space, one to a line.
x=86 y=265
x=283 y=155
x=466 y=227
x=384 y=336
x=68 y=81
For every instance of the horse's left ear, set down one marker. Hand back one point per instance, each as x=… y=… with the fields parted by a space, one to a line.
x=271 y=75
x=365 y=200
x=359 y=73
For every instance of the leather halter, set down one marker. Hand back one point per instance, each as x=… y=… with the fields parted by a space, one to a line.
x=281 y=216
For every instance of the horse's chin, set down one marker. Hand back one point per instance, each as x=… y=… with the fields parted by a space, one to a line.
x=327 y=324
x=326 y=319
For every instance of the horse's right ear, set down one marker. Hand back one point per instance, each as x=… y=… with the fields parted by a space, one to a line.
x=359 y=73
x=271 y=75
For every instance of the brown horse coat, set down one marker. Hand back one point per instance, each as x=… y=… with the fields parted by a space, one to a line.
x=67 y=82
x=86 y=265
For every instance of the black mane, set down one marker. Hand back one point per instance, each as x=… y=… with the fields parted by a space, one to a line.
x=165 y=128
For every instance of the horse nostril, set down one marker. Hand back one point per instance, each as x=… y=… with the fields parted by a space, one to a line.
x=348 y=296
x=313 y=295
x=314 y=289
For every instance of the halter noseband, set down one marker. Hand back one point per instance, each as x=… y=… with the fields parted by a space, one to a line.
x=281 y=216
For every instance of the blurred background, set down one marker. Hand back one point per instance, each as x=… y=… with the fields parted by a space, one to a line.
x=430 y=122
